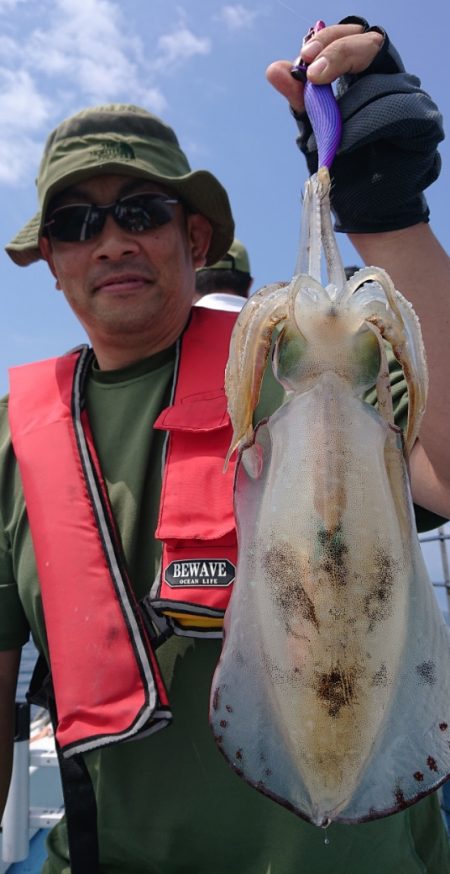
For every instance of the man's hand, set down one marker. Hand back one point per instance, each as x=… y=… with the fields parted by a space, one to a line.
x=332 y=52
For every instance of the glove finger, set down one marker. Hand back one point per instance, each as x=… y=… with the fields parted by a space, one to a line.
x=356 y=19
x=347 y=55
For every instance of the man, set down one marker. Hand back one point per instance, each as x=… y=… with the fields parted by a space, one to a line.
x=226 y=284
x=123 y=226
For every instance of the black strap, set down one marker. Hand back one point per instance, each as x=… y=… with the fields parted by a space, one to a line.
x=78 y=791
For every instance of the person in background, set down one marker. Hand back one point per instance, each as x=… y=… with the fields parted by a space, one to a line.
x=226 y=284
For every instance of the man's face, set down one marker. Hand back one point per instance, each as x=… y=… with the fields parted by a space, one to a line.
x=129 y=289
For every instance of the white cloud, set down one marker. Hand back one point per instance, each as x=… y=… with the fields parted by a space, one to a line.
x=22 y=107
x=153 y=100
x=23 y=111
x=64 y=54
x=17 y=156
x=8 y=5
x=88 y=44
x=237 y=17
x=9 y=50
x=86 y=54
x=179 y=46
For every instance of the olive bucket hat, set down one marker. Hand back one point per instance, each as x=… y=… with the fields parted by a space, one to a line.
x=124 y=139
x=236 y=258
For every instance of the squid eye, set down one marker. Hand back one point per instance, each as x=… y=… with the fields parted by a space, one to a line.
x=366 y=359
x=289 y=357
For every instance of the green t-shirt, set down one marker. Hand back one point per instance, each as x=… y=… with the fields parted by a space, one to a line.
x=169 y=803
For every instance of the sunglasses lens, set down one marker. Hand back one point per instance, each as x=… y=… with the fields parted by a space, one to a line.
x=74 y=223
x=77 y=222
x=142 y=212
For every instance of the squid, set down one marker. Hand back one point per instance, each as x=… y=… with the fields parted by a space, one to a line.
x=332 y=692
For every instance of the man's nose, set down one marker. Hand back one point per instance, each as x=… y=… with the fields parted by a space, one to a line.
x=115 y=242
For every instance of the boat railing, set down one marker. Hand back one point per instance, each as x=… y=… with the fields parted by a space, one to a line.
x=437 y=560
x=21 y=819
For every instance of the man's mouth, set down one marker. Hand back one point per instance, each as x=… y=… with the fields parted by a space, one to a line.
x=121 y=283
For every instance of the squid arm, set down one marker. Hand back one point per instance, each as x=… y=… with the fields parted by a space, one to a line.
x=383 y=387
x=249 y=350
x=317 y=232
x=397 y=322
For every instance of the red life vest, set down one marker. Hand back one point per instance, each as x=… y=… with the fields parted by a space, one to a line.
x=106 y=678
x=196 y=520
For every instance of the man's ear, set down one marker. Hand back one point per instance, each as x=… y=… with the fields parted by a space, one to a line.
x=46 y=253
x=199 y=236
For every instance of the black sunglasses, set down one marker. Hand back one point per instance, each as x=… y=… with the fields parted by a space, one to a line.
x=135 y=213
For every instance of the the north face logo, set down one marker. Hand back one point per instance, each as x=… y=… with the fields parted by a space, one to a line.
x=113 y=151
x=202 y=572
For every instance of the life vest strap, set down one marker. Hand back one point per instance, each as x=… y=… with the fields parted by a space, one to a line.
x=196 y=520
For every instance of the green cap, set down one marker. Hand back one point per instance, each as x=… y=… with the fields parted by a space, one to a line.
x=124 y=139
x=235 y=259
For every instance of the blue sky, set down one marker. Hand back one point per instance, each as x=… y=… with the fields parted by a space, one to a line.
x=201 y=66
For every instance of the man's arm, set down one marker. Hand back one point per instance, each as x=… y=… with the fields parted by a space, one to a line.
x=9 y=669
x=416 y=262
x=420 y=269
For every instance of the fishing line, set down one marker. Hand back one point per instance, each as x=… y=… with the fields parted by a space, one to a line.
x=302 y=18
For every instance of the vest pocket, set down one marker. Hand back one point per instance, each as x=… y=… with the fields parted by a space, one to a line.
x=197 y=496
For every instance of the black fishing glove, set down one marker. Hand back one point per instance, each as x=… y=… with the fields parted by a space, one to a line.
x=388 y=153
